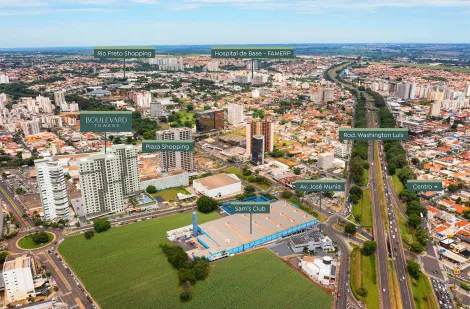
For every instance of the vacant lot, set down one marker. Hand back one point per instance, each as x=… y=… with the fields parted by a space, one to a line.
x=125 y=268
x=234 y=170
x=170 y=194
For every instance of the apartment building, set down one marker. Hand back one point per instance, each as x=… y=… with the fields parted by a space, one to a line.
x=31 y=127
x=262 y=127
x=156 y=109
x=235 y=114
x=176 y=160
x=52 y=189
x=106 y=179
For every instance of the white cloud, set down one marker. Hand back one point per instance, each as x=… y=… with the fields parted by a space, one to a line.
x=50 y=11
x=300 y=6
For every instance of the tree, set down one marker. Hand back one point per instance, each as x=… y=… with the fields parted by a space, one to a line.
x=20 y=191
x=355 y=194
x=414 y=220
x=369 y=247
x=362 y=291
x=297 y=171
x=286 y=194
x=417 y=247
x=185 y=274
x=357 y=170
x=415 y=161
x=4 y=175
x=40 y=237
x=413 y=269
x=149 y=134
x=3 y=256
x=186 y=294
x=206 y=204
x=101 y=225
x=151 y=189
x=452 y=188
x=466 y=214
x=249 y=189
x=350 y=229
x=201 y=268
x=89 y=234
x=190 y=107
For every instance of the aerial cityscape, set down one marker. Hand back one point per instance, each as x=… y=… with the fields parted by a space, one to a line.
x=216 y=166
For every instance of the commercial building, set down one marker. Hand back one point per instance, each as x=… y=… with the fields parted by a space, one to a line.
x=52 y=189
x=172 y=180
x=312 y=239
x=325 y=160
x=219 y=185
x=176 y=160
x=209 y=120
x=257 y=149
x=414 y=125
x=322 y=269
x=231 y=234
x=235 y=114
x=262 y=127
x=18 y=278
x=106 y=179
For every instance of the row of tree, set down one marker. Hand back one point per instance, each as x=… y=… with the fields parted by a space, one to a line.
x=359 y=155
x=396 y=159
x=188 y=272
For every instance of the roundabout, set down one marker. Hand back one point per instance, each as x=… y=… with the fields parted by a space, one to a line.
x=35 y=240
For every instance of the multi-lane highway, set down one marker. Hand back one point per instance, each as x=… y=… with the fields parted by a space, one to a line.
x=387 y=233
x=388 y=239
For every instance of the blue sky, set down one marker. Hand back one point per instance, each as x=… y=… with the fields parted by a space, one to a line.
x=45 y=23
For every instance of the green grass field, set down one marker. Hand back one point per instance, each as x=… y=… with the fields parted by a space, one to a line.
x=423 y=294
x=170 y=194
x=362 y=270
x=431 y=67
x=397 y=185
x=363 y=209
x=257 y=280
x=27 y=242
x=134 y=273
x=234 y=170
x=405 y=232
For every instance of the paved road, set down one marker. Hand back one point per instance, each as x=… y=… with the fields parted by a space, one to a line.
x=346 y=299
x=14 y=206
x=394 y=238
x=379 y=236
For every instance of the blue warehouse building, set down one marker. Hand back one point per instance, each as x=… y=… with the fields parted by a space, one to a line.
x=231 y=234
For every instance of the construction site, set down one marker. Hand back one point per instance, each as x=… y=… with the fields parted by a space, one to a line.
x=231 y=234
